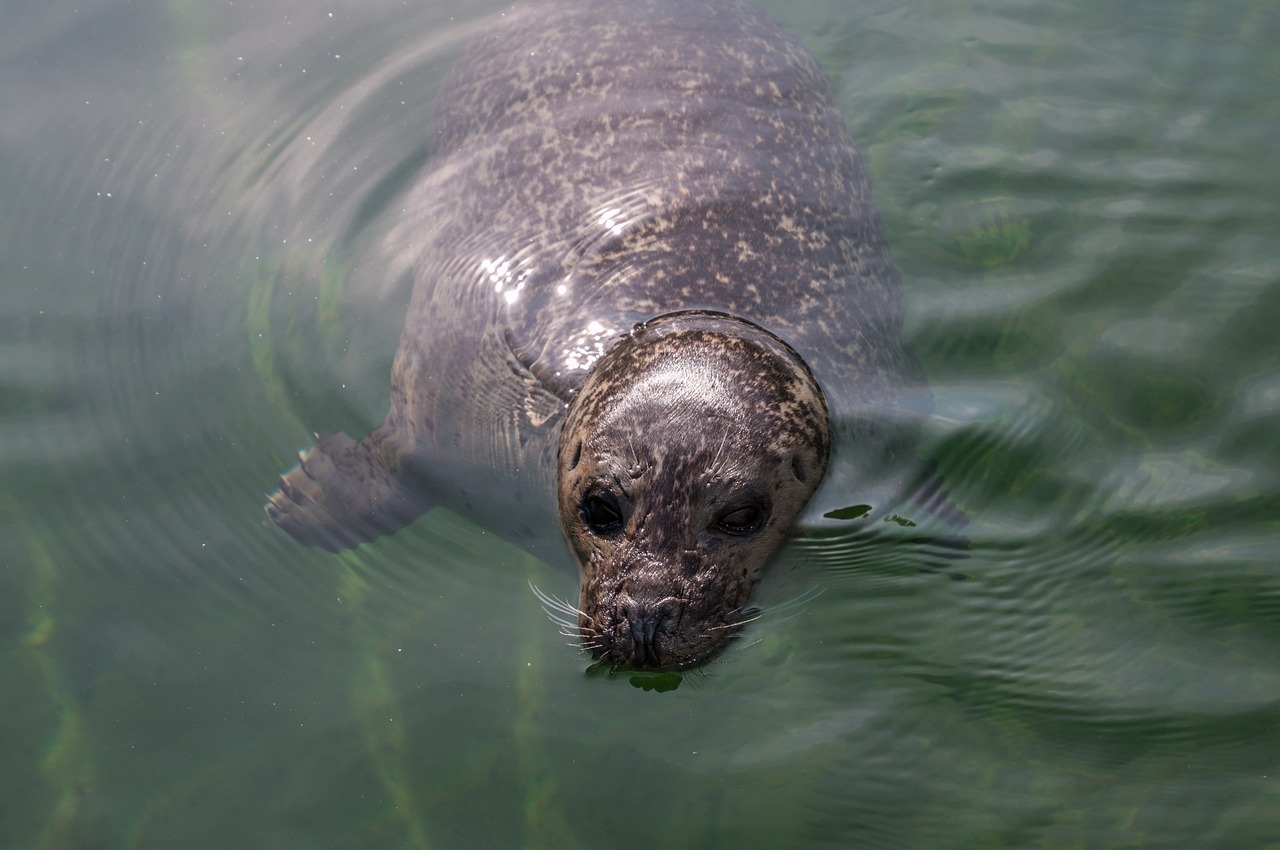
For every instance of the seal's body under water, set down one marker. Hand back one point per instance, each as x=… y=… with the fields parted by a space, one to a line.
x=651 y=291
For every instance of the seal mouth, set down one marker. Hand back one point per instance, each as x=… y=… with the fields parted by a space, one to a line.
x=663 y=635
x=647 y=636
x=628 y=648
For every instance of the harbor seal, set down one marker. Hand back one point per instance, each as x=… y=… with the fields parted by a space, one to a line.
x=651 y=293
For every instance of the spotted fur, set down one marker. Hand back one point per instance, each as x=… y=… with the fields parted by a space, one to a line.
x=677 y=164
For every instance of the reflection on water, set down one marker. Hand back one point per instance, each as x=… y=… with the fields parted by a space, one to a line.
x=194 y=211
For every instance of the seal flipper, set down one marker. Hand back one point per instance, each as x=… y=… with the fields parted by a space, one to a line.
x=341 y=494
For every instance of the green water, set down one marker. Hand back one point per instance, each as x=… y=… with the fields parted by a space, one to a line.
x=1084 y=200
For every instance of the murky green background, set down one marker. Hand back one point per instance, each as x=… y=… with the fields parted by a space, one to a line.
x=1084 y=199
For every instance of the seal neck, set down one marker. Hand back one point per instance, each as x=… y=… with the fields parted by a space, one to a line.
x=712 y=321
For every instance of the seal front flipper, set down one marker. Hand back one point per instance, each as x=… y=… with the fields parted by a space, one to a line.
x=342 y=493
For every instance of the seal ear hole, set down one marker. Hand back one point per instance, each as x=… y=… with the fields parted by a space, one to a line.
x=601 y=514
x=797 y=469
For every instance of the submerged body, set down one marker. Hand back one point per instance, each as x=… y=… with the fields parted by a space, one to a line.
x=598 y=166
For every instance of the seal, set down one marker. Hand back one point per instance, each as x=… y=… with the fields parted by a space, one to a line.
x=651 y=300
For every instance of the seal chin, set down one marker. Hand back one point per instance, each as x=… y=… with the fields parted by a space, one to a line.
x=683 y=460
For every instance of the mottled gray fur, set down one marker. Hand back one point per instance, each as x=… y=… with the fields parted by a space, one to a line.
x=597 y=165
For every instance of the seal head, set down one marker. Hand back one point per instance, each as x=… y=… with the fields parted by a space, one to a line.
x=683 y=460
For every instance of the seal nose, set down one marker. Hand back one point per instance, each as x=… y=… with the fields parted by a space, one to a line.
x=640 y=625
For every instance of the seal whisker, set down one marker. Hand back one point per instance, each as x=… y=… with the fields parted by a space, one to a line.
x=558 y=613
x=799 y=600
x=559 y=620
x=790 y=616
x=555 y=603
x=793 y=607
x=714 y=466
x=733 y=625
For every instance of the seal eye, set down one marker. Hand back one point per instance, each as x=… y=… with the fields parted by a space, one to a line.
x=740 y=521
x=601 y=513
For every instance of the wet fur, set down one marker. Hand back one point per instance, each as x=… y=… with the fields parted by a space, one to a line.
x=597 y=165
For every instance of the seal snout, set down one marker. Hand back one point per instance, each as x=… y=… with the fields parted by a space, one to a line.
x=640 y=626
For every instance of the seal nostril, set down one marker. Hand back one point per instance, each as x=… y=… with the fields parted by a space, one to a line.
x=642 y=632
x=640 y=626
x=577 y=455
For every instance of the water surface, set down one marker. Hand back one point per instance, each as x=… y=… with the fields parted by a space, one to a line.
x=1083 y=199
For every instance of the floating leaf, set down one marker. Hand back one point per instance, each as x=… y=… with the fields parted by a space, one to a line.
x=660 y=682
x=851 y=512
